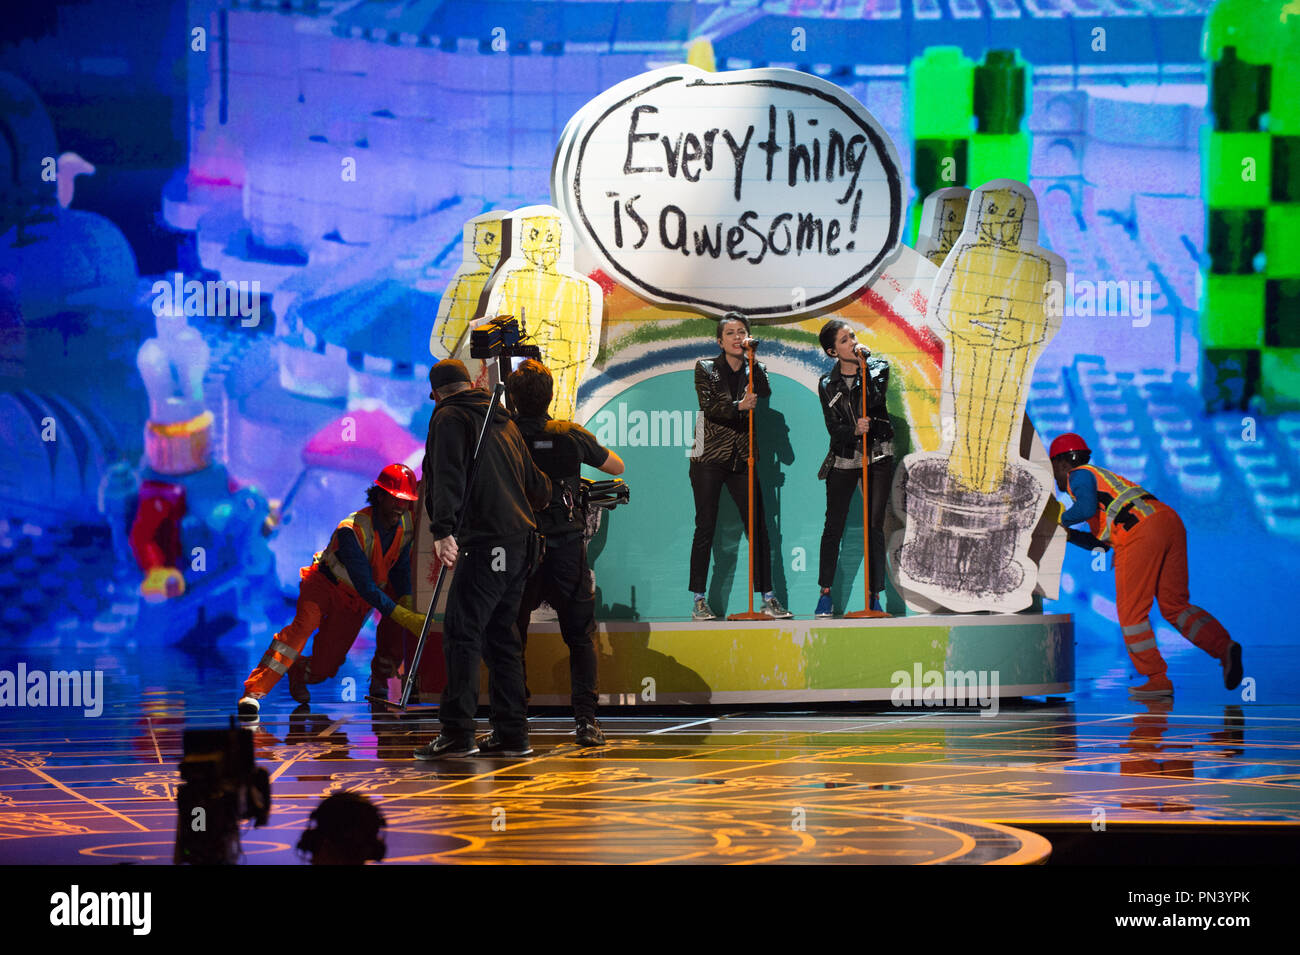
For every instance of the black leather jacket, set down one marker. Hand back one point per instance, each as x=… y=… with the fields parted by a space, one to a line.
x=722 y=434
x=842 y=412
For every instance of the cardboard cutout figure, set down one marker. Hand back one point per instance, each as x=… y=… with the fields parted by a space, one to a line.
x=942 y=218
x=481 y=253
x=558 y=308
x=971 y=506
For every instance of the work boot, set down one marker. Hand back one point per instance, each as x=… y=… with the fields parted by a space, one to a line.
x=298 y=682
x=1153 y=689
x=248 y=708
x=1232 y=666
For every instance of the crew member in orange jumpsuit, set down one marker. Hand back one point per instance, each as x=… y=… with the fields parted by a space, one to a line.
x=366 y=565
x=1150 y=546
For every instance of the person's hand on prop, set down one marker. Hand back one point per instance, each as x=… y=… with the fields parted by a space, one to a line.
x=446 y=551
x=750 y=344
x=749 y=401
x=864 y=425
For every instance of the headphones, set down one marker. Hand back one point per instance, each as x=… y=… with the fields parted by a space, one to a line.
x=349 y=819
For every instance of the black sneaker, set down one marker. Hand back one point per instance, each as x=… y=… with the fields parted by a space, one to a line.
x=590 y=733
x=1232 y=666
x=447 y=747
x=494 y=745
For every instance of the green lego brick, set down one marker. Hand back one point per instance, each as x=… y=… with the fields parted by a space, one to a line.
x=1282 y=313
x=1229 y=377
x=1232 y=311
x=1235 y=168
x=994 y=156
x=1235 y=237
x=1282 y=241
x=1279 y=379
x=1251 y=26
x=1239 y=93
x=942 y=83
x=1284 y=172
x=939 y=163
x=999 y=100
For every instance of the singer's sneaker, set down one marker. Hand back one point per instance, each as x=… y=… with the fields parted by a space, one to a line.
x=772 y=607
x=824 y=606
x=494 y=745
x=589 y=733
x=702 y=611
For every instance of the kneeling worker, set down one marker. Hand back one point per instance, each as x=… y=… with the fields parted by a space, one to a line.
x=1150 y=545
x=369 y=553
x=560 y=448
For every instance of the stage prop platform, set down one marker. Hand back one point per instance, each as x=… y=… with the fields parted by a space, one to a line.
x=929 y=659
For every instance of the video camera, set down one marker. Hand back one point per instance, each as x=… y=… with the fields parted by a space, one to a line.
x=603 y=494
x=502 y=337
x=223 y=785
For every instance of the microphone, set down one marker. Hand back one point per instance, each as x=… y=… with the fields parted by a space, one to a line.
x=862 y=350
x=750 y=343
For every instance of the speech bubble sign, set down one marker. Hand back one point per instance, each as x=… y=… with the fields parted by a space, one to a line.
x=770 y=192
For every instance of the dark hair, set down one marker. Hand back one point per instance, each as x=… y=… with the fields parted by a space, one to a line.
x=350 y=823
x=530 y=388
x=732 y=317
x=375 y=494
x=831 y=331
x=1074 y=459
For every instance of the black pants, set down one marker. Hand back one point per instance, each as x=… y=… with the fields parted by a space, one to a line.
x=480 y=625
x=707 y=481
x=564 y=582
x=840 y=485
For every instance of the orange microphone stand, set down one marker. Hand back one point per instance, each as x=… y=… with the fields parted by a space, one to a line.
x=866 y=610
x=752 y=614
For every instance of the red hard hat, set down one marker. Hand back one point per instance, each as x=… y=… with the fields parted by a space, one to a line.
x=1066 y=443
x=399 y=481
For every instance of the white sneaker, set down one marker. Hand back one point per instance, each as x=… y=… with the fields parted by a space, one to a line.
x=249 y=706
x=702 y=610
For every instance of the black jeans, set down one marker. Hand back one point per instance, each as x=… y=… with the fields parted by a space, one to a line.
x=707 y=481
x=564 y=583
x=480 y=624
x=840 y=485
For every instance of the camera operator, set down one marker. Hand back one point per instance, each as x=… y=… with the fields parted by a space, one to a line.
x=560 y=448
x=494 y=556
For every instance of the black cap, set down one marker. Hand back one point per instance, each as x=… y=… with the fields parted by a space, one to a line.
x=446 y=372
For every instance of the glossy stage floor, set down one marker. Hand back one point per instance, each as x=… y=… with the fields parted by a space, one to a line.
x=1094 y=779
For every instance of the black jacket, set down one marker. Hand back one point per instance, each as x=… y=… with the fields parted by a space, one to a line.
x=722 y=437
x=841 y=413
x=508 y=485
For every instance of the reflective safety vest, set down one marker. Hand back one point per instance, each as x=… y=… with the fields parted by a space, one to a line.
x=1118 y=501
x=381 y=561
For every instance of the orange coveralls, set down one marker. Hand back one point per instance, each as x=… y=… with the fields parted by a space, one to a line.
x=335 y=612
x=1150 y=545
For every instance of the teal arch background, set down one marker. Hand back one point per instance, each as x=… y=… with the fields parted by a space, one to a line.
x=641 y=554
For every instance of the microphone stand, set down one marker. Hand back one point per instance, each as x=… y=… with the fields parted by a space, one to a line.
x=752 y=614
x=411 y=674
x=866 y=610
